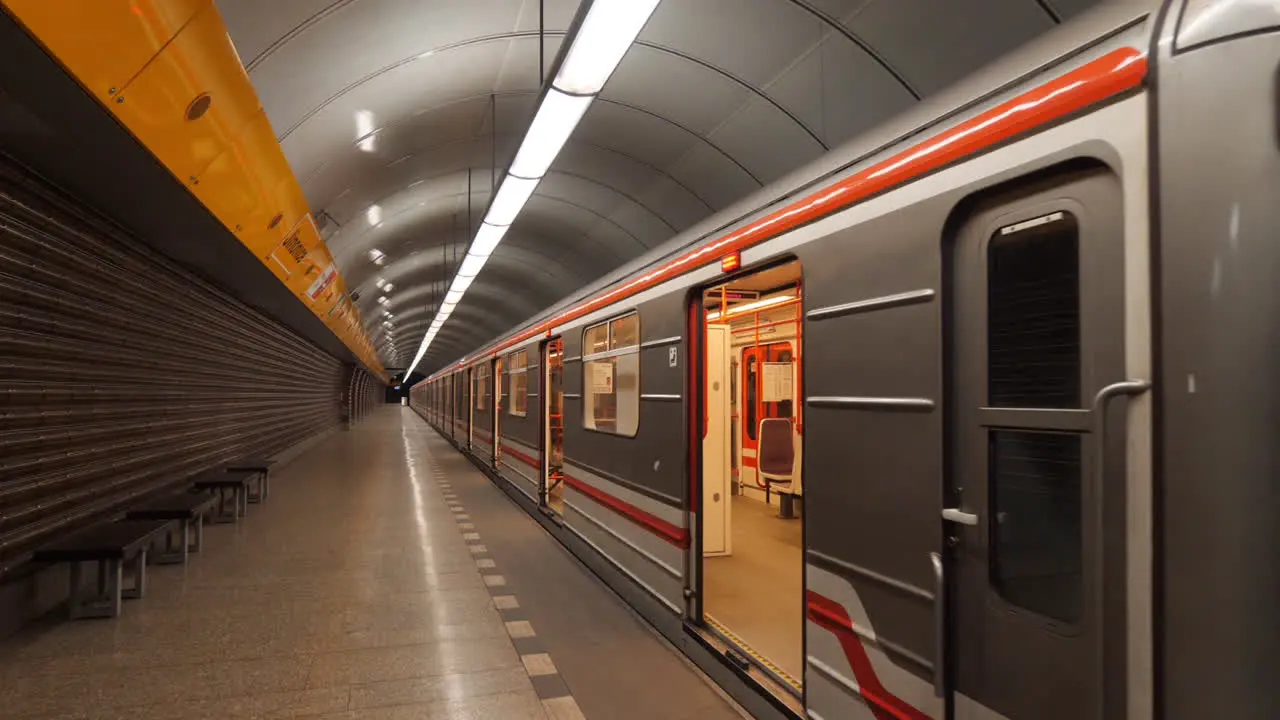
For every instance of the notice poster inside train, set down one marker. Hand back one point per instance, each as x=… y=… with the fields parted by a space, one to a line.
x=778 y=382
x=601 y=378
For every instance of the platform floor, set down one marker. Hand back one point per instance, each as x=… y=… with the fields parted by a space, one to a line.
x=757 y=592
x=385 y=578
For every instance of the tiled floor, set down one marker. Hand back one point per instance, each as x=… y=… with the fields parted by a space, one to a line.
x=351 y=594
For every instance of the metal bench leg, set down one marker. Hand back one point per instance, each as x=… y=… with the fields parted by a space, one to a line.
x=139 y=589
x=105 y=601
x=199 y=539
x=173 y=555
x=223 y=516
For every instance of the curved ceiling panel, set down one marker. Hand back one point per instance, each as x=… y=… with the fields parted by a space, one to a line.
x=386 y=108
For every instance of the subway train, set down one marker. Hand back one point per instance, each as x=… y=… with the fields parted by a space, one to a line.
x=973 y=418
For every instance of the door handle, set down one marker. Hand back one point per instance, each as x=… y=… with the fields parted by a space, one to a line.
x=939 y=626
x=956 y=515
x=1100 y=401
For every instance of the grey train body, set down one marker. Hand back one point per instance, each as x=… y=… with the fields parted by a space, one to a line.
x=1165 y=426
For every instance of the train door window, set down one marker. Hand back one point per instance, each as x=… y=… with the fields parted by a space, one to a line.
x=1033 y=361
x=519 y=382
x=1036 y=301
x=611 y=376
x=482 y=375
x=750 y=551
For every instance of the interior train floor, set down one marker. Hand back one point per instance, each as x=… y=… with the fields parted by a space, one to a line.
x=756 y=592
x=354 y=593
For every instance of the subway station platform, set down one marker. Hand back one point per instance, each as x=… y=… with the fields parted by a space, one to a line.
x=386 y=577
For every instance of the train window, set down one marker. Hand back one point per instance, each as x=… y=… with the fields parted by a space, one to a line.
x=1033 y=306
x=611 y=376
x=518 y=362
x=752 y=384
x=482 y=379
x=1036 y=556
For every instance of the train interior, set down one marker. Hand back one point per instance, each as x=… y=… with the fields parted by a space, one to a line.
x=553 y=423
x=753 y=517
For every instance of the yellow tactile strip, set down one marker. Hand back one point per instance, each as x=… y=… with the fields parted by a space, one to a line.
x=557 y=702
x=755 y=656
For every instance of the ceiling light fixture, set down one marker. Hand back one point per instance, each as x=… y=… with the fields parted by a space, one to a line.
x=374 y=214
x=767 y=302
x=608 y=30
x=366 y=137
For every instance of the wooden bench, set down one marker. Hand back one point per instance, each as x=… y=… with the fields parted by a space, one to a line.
x=112 y=545
x=260 y=466
x=184 y=508
x=233 y=485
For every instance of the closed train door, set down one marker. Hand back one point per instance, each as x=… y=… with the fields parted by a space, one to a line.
x=1034 y=519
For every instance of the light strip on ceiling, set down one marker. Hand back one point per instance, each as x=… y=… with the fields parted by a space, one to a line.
x=606 y=33
x=767 y=302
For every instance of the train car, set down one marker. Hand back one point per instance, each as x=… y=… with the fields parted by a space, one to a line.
x=971 y=419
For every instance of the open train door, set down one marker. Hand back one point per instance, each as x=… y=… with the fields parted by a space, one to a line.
x=552 y=492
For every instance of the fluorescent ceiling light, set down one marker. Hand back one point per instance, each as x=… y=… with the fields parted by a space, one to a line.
x=605 y=36
x=608 y=30
x=380 y=282
x=557 y=117
x=461 y=283
x=388 y=287
x=777 y=299
x=376 y=255
x=373 y=214
x=487 y=238
x=383 y=299
x=512 y=195
x=366 y=138
x=471 y=266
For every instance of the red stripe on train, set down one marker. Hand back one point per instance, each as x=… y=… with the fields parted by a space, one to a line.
x=1094 y=82
x=520 y=456
x=831 y=615
x=673 y=534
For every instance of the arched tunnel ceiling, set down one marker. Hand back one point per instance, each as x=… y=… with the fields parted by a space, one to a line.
x=416 y=107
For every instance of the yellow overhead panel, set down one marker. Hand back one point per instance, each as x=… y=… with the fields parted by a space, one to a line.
x=105 y=42
x=168 y=71
x=190 y=102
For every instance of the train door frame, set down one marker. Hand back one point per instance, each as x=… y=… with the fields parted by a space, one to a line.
x=694 y=612
x=471 y=406
x=544 y=433
x=496 y=373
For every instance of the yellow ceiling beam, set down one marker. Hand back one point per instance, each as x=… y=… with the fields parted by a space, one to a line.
x=167 y=70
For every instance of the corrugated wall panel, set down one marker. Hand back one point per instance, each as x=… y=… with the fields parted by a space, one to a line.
x=121 y=372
